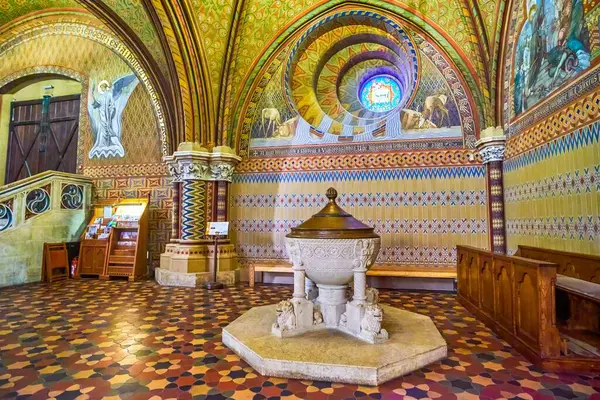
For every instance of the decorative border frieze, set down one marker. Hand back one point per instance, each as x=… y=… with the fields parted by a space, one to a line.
x=363 y=199
x=397 y=255
x=362 y=161
x=440 y=226
x=126 y=170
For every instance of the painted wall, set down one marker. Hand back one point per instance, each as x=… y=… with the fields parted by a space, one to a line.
x=421 y=213
x=140 y=172
x=552 y=117
x=304 y=131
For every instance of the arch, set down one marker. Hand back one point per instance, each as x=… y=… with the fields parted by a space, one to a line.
x=397 y=12
x=190 y=67
x=163 y=91
x=110 y=42
x=41 y=71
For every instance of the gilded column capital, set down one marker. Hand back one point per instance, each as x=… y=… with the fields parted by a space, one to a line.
x=492 y=144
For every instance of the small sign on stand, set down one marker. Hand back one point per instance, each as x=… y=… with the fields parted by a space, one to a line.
x=216 y=229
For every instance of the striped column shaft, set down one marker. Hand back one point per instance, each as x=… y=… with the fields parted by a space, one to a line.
x=496 y=206
x=211 y=211
x=175 y=216
x=193 y=221
x=222 y=201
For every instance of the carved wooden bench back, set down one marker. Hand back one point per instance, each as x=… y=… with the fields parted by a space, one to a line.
x=575 y=265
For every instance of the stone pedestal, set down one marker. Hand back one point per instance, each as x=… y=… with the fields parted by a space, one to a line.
x=201 y=180
x=329 y=355
x=332 y=302
x=331 y=263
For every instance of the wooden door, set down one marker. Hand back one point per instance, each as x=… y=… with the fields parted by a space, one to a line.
x=42 y=136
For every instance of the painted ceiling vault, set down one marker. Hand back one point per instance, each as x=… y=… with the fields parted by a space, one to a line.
x=208 y=58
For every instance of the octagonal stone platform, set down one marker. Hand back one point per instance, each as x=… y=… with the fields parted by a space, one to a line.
x=330 y=355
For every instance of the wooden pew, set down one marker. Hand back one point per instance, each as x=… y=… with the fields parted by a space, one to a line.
x=516 y=297
x=513 y=296
x=578 y=276
x=581 y=266
x=381 y=270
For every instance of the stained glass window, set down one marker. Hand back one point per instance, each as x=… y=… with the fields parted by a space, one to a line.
x=381 y=93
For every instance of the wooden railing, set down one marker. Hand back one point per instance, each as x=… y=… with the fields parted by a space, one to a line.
x=514 y=296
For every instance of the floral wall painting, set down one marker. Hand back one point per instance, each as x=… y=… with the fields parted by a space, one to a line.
x=106 y=104
x=553 y=47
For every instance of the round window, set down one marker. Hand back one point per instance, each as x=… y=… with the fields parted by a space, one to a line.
x=380 y=93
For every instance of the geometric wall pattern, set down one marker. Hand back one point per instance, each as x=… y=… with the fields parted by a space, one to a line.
x=160 y=207
x=420 y=217
x=552 y=194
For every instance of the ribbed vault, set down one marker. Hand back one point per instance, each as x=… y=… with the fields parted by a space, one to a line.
x=204 y=57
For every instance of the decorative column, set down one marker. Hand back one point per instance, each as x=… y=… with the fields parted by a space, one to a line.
x=221 y=168
x=175 y=212
x=187 y=259
x=491 y=147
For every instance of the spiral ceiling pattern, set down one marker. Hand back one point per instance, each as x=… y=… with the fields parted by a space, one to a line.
x=347 y=57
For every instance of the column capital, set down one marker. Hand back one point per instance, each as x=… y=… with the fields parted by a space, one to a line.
x=194 y=162
x=492 y=144
x=222 y=163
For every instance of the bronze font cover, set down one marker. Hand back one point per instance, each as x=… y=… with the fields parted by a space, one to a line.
x=332 y=223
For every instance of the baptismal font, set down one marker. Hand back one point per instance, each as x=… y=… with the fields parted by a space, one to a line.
x=330 y=250
x=324 y=333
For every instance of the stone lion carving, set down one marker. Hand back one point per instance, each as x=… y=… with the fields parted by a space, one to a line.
x=372 y=295
x=286 y=318
x=371 y=321
x=317 y=317
x=343 y=320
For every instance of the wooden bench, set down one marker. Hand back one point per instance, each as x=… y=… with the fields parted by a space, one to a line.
x=516 y=297
x=578 y=277
x=380 y=270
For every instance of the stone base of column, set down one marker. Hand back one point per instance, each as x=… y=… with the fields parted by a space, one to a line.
x=189 y=265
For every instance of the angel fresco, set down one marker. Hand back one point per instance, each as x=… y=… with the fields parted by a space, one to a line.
x=105 y=107
x=552 y=48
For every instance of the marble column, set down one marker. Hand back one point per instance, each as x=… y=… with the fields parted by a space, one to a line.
x=188 y=258
x=491 y=147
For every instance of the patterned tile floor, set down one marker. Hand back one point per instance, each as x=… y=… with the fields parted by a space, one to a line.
x=95 y=339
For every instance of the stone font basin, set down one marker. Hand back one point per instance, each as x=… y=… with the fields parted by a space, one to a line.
x=332 y=244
